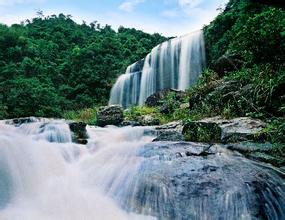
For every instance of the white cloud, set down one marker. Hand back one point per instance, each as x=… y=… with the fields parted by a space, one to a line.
x=15 y=2
x=129 y=5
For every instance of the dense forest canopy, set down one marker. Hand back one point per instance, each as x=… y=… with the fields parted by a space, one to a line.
x=51 y=64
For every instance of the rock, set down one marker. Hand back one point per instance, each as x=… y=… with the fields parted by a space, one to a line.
x=79 y=132
x=246 y=147
x=156 y=98
x=129 y=123
x=109 y=115
x=19 y=121
x=169 y=135
x=227 y=186
x=170 y=132
x=266 y=158
x=149 y=120
x=226 y=63
x=177 y=125
x=215 y=130
x=165 y=108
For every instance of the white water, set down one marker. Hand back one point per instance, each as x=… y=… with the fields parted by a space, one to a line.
x=43 y=176
x=175 y=64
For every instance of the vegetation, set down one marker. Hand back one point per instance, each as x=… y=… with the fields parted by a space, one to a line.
x=51 y=65
x=87 y=115
x=251 y=37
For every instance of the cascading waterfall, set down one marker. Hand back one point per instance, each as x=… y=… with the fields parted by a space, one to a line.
x=174 y=64
x=121 y=174
x=127 y=87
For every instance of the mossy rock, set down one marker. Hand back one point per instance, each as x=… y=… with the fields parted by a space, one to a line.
x=202 y=132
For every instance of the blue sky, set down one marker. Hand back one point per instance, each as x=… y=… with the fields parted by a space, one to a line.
x=168 y=17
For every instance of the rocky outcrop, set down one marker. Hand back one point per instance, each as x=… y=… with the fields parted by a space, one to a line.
x=156 y=98
x=184 y=175
x=261 y=152
x=109 y=115
x=227 y=63
x=19 y=121
x=149 y=120
x=170 y=132
x=79 y=132
x=216 y=130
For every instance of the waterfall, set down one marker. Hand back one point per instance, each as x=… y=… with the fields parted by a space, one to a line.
x=122 y=174
x=175 y=64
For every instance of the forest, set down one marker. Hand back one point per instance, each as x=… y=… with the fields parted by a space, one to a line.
x=50 y=65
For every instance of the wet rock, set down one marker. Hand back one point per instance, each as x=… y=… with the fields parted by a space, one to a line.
x=169 y=135
x=263 y=157
x=249 y=147
x=216 y=130
x=19 y=121
x=109 y=115
x=171 y=185
x=129 y=123
x=79 y=132
x=170 y=132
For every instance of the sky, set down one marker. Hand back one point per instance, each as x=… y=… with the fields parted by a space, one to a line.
x=167 y=17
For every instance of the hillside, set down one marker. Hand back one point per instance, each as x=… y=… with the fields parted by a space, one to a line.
x=51 y=64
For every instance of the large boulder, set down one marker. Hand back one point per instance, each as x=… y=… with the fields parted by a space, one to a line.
x=79 y=132
x=170 y=132
x=110 y=115
x=227 y=63
x=217 y=129
x=149 y=120
x=156 y=98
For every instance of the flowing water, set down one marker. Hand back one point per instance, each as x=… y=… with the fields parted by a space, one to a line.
x=174 y=64
x=121 y=174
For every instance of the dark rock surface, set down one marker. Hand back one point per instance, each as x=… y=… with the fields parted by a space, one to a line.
x=79 y=132
x=227 y=63
x=174 y=182
x=109 y=115
x=218 y=130
x=170 y=132
x=19 y=121
x=155 y=99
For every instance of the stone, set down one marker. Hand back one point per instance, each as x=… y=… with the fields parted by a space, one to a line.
x=79 y=132
x=219 y=130
x=246 y=147
x=173 y=175
x=266 y=158
x=129 y=123
x=170 y=132
x=109 y=115
x=149 y=120
x=19 y=121
x=227 y=63
x=156 y=98
x=169 y=135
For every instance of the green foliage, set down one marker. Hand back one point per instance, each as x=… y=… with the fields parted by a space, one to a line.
x=50 y=65
x=252 y=30
x=87 y=116
x=135 y=112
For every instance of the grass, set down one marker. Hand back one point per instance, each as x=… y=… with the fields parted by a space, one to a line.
x=87 y=115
